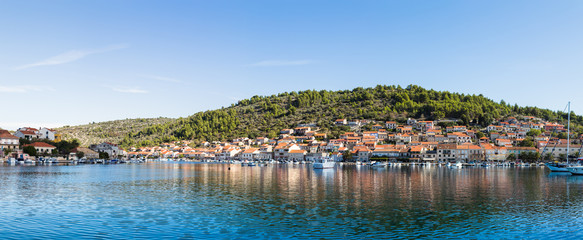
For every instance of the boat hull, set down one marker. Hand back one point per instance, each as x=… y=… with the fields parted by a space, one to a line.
x=319 y=165
x=576 y=170
x=557 y=168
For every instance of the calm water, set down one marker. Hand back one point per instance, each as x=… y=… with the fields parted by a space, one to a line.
x=174 y=200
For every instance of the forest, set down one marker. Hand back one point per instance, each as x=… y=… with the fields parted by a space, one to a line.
x=267 y=115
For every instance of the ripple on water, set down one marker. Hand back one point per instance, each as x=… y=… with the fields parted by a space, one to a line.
x=193 y=201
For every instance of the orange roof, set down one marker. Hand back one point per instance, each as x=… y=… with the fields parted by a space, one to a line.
x=8 y=136
x=40 y=144
x=297 y=151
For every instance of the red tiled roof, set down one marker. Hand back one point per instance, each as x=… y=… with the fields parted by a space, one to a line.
x=40 y=144
x=8 y=136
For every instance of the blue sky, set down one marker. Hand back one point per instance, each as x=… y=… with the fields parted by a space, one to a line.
x=75 y=62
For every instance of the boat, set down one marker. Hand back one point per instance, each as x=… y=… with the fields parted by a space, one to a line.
x=455 y=165
x=556 y=167
x=575 y=170
x=379 y=164
x=324 y=163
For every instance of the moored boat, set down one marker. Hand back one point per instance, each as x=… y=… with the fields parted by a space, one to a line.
x=575 y=170
x=323 y=163
x=557 y=167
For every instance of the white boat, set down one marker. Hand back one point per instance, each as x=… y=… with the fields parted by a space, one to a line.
x=455 y=165
x=379 y=164
x=324 y=163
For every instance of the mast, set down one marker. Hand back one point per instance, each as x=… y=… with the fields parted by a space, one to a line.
x=568 y=131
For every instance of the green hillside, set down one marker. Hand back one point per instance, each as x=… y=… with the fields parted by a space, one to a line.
x=111 y=131
x=266 y=115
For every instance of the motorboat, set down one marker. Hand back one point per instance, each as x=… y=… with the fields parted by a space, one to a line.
x=379 y=164
x=324 y=163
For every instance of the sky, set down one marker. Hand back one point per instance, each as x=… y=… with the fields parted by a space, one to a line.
x=76 y=62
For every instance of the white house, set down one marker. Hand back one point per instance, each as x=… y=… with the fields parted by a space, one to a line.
x=250 y=154
x=46 y=133
x=27 y=133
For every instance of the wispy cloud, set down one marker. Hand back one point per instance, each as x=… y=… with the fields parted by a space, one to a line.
x=71 y=56
x=160 y=78
x=24 y=89
x=129 y=90
x=270 y=63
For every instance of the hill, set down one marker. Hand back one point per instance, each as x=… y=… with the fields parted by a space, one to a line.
x=267 y=115
x=110 y=131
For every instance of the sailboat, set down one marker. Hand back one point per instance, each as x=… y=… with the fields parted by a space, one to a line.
x=557 y=167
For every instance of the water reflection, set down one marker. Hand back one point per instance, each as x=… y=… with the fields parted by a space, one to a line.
x=286 y=201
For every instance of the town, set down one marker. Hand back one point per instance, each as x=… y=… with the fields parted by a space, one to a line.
x=524 y=139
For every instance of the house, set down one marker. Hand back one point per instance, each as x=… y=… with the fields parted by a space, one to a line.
x=376 y=127
x=458 y=138
x=228 y=153
x=341 y=121
x=447 y=152
x=405 y=129
x=41 y=148
x=47 y=133
x=281 y=151
x=250 y=154
x=503 y=142
x=561 y=150
x=391 y=125
x=88 y=153
x=302 y=130
x=287 y=131
x=8 y=141
x=321 y=136
x=362 y=153
x=493 y=153
x=27 y=133
x=296 y=155
x=456 y=129
x=110 y=148
x=354 y=123
x=424 y=125
x=411 y=121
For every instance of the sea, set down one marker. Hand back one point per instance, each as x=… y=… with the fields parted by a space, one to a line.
x=184 y=200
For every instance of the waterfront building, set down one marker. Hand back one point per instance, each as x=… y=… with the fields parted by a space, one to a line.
x=113 y=150
x=42 y=148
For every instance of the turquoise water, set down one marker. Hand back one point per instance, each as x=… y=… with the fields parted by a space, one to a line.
x=194 y=201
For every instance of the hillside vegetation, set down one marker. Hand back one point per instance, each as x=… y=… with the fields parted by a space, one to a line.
x=111 y=131
x=267 y=115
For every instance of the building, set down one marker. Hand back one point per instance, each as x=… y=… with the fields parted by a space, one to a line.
x=27 y=133
x=111 y=149
x=250 y=154
x=296 y=155
x=88 y=153
x=42 y=148
x=8 y=141
x=47 y=133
